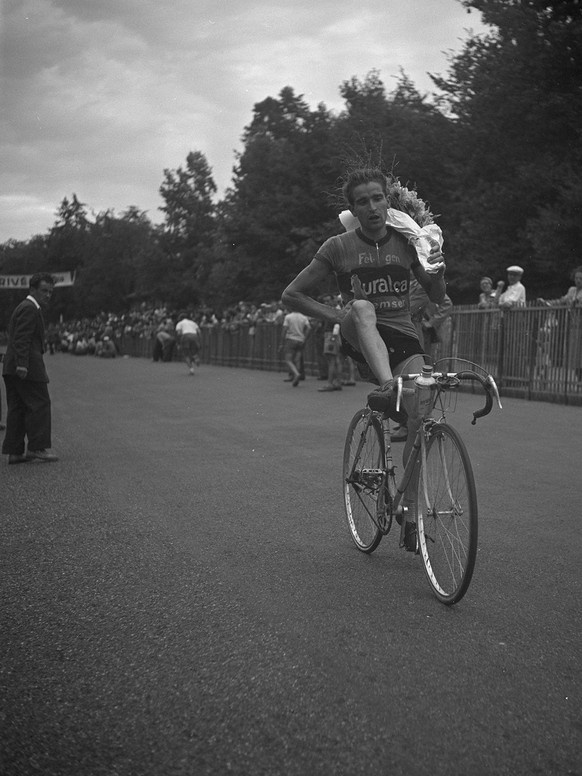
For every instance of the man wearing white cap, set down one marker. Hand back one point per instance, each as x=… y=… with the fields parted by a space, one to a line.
x=514 y=295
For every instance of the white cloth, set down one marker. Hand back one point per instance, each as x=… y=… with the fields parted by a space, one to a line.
x=296 y=326
x=423 y=238
x=186 y=326
x=514 y=296
x=572 y=297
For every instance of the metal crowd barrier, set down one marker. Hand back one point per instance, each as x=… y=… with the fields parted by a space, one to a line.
x=534 y=352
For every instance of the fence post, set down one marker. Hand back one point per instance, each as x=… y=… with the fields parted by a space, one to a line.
x=533 y=350
x=500 y=348
x=566 y=355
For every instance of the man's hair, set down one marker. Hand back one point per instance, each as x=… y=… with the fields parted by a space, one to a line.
x=40 y=277
x=360 y=176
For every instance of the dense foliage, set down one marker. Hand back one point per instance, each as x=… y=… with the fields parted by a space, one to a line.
x=496 y=151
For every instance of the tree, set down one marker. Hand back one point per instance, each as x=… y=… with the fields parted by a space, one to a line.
x=515 y=95
x=278 y=197
x=366 y=105
x=71 y=215
x=67 y=237
x=190 y=225
x=107 y=280
x=189 y=208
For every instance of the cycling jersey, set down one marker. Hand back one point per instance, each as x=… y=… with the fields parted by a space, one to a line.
x=383 y=268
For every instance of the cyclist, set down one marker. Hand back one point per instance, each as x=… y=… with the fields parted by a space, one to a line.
x=372 y=265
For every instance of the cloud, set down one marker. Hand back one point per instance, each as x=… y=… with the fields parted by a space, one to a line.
x=101 y=96
x=22 y=210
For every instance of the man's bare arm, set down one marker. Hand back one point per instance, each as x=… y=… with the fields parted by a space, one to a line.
x=298 y=294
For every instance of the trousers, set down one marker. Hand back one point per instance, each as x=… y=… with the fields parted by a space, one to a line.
x=28 y=416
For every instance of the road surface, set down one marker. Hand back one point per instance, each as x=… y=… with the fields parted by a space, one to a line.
x=180 y=596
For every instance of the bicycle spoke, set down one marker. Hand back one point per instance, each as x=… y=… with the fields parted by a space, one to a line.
x=364 y=480
x=447 y=509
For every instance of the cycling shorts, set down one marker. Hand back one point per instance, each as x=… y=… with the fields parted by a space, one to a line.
x=400 y=347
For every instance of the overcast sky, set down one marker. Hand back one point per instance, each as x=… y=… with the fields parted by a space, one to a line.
x=99 y=96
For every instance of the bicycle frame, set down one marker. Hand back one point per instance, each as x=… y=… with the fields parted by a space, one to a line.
x=391 y=492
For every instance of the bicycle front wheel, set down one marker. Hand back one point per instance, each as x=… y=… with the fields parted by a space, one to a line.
x=447 y=514
x=364 y=479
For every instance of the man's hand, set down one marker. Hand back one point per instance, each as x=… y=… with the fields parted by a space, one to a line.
x=357 y=289
x=436 y=256
x=21 y=371
x=436 y=253
x=432 y=278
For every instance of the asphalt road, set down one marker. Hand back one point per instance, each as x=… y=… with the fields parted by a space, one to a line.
x=179 y=594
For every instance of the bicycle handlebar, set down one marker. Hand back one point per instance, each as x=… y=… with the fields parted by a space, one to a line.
x=486 y=409
x=488 y=384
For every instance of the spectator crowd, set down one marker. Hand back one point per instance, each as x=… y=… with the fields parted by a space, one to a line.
x=102 y=335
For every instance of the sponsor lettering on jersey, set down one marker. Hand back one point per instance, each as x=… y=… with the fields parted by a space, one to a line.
x=390 y=304
x=369 y=258
x=385 y=285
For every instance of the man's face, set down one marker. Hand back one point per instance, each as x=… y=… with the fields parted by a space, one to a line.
x=43 y=293
x=513 y=277
x=370 y=207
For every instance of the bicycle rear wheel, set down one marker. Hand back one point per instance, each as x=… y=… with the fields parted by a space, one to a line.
x=364 y=479
x=447 y=514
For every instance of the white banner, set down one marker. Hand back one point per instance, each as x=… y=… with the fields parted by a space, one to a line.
x=20 y=282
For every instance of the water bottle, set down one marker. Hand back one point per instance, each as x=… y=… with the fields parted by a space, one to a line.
x=424 y=388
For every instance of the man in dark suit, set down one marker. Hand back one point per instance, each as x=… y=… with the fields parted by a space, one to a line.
x=26 y=379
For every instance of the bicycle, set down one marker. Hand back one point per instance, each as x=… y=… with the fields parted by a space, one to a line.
x=439 y=472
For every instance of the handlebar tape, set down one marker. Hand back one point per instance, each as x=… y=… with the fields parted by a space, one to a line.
x=486 y=409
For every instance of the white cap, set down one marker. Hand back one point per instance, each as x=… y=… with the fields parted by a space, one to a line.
x=515 y=268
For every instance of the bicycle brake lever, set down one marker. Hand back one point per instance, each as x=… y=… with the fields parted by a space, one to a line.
x=493 y=385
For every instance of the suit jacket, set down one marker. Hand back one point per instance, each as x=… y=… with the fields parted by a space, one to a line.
x=26 y=338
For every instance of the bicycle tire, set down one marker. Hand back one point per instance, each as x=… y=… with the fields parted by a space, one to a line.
x=447 y=514
x=362 y=482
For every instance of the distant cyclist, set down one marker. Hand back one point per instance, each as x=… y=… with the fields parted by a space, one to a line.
x=373 y=264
